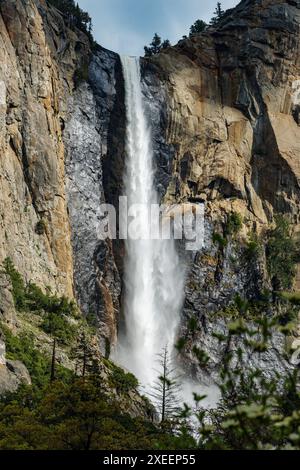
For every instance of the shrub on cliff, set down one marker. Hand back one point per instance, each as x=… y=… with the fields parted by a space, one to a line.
x=18 y=285
x=282 y=254
x=253 y=248
x=30 y=297
x=55 y=310
x=58 y=327
x=121 y=381
x=234 y=224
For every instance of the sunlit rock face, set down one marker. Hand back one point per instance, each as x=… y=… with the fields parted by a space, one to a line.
x=33 y=89
x=231 y=109
x=57 y=134
x=225 y=111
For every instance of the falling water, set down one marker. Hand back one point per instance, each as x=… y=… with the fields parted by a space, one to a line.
x=153 y=277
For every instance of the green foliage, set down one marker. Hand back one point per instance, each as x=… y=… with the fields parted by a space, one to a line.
x=218 y=15
x=293 y=297
x=253 y=248
x=219 y=240
x=156 y=46
x=22 y=348
x=18 y=286
x=59 y=327
x=257 y=410
x=121 y=381
x=92 y=320
x=75 y=416
x=82 y=73
x=201 y=356
x=234 y=224
x=288 y=310
x=241 y=304
x=198 y=27
x=193 y=324
x=84 y=354
x=282 y=255
x=241 y=308
x=181 y=343
x=31 y=298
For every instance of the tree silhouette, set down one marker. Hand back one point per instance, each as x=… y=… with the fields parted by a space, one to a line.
x=218 y=14
x=156 y=46
x=166 y=389
x=198 y=27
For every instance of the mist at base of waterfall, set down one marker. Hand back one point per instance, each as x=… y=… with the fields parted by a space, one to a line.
x=189 y=387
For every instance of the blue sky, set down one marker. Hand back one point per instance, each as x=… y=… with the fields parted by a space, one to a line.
x=125 y=26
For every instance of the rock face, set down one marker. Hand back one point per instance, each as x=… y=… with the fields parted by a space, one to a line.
x=93 y=178
x=7 y=308
x=55 y=140
x=232 y=109
x=32 y=151
x=224 y=107
x=12 y=373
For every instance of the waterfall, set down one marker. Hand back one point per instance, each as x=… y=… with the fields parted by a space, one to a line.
x=153 y=278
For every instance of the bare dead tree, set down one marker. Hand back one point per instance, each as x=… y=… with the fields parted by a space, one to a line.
x=166 y=389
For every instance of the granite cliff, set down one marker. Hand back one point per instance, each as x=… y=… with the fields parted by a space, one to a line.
x=224 y=107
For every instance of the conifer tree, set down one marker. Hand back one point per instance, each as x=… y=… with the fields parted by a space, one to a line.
x=218 y=14
x=156 y=46
x=198 y=27
x=166 y=389
x=166 y=43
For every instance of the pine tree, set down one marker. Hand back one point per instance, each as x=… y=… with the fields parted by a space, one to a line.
x=166 y=43
x=156 y=46
x=166 y=389
x=218 y=14
x=198 y=27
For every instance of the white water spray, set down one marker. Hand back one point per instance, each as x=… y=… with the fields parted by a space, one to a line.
x=154 y=279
